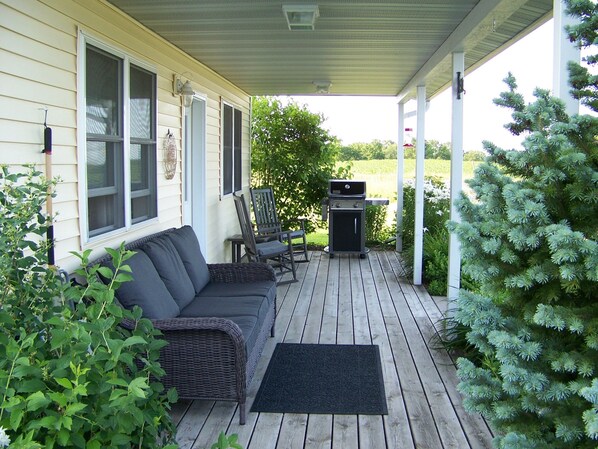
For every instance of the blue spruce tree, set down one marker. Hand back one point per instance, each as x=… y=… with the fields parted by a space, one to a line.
x=530 y=239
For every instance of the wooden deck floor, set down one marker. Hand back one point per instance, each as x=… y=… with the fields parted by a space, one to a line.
x=348 y=300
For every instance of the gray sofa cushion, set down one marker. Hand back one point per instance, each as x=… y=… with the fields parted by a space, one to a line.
x=185 y=241
x=256 y=306
x=171 y=269
x=250 y=327
x=229 y=289
x=248 y=312
x=146 y=290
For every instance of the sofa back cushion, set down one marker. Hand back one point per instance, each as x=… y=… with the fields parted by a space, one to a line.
x=171 y=270
x=146 y=290
x=185 y=241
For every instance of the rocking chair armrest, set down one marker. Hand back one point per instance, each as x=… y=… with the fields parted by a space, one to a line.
x=281 y=235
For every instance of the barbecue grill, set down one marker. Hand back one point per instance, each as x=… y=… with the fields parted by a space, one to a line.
x=346 y=213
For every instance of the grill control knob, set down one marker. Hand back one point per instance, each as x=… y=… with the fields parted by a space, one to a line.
x=356 y=205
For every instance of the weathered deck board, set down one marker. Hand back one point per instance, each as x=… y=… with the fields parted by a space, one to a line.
x=347 y=300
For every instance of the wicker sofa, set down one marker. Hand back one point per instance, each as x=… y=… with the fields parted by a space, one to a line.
x=215 y=317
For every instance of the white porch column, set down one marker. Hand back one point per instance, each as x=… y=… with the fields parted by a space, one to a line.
x=400 y=176
x=454 y=262
x=420 y=151
x=564 y=51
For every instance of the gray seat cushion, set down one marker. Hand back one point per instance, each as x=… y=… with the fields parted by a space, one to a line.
x=250 y=327
x=171 y=269
x=247 y=312
x=298 y=233
x=228 y=289
x=271 y=248
x=256 y=306
x=146 y=290
x=185 y=241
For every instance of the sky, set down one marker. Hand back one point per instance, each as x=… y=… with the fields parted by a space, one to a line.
x=363 y=119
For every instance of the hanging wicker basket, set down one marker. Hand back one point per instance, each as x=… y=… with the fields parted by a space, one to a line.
x=170 y=155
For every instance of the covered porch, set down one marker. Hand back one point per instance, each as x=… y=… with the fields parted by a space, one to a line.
x=347 y=300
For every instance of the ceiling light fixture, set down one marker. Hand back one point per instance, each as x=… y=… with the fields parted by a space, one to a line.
x=301 y=17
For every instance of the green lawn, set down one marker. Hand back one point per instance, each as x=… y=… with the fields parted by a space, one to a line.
x=381 y=175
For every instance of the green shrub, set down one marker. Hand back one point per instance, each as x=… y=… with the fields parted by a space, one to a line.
x=436 y=237
x=292 y=153
x=436 y=262
x=530 y=238
x=376 y=229
x=474 y=156
x=436 y=208
x=70 y=375
x=227 y=442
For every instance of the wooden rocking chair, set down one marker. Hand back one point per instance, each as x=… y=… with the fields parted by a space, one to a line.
x=267 y=222
x=279 y=249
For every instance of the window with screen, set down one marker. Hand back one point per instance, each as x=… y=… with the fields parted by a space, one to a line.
x=231 y=149
x=120 y=148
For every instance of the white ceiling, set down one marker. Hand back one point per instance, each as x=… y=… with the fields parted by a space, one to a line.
x=360 y=47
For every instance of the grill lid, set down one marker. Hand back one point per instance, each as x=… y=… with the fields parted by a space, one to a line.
x=346 y=187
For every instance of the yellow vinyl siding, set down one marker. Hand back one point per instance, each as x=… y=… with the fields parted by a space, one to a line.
x=38 y=68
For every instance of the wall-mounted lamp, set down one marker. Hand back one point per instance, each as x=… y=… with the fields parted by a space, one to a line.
x=183 y=89
x=322 y=87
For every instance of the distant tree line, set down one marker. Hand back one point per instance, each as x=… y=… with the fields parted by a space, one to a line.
x=387 y=149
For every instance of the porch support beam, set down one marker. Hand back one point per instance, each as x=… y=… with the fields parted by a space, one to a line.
x=454 y=263
x=400 y=176
x=420 y=151
x=564 y=51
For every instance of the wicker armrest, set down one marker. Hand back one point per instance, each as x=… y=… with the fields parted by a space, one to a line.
x=241 y=272
x=191 y=324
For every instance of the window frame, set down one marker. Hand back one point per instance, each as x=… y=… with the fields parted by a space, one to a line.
x=127 y=195
x=235 y=184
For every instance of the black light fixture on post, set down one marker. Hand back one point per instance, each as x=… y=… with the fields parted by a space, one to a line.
x=460 y=85
x=47 y=150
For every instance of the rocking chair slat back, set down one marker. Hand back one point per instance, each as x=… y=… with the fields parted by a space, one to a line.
x=267 y=221
x=264 y=209
x=246 y=228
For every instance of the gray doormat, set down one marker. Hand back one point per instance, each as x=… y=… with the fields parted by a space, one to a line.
x=323 y=379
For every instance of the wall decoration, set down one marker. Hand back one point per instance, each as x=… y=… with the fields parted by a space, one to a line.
x=170 y=155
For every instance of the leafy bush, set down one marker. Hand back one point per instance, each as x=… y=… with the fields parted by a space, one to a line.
x=474 y=156
x=294 y=155
x=436 y=208
x=70 y=375
x=227 y=442
x=530 y=239
x=436 y=213
x=376 y=229
x=436 y=235
x=437 y=150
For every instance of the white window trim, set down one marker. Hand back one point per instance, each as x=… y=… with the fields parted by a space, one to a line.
x=85 y=38
x=235 y=108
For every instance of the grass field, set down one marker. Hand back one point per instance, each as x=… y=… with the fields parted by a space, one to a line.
x=381 y=175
